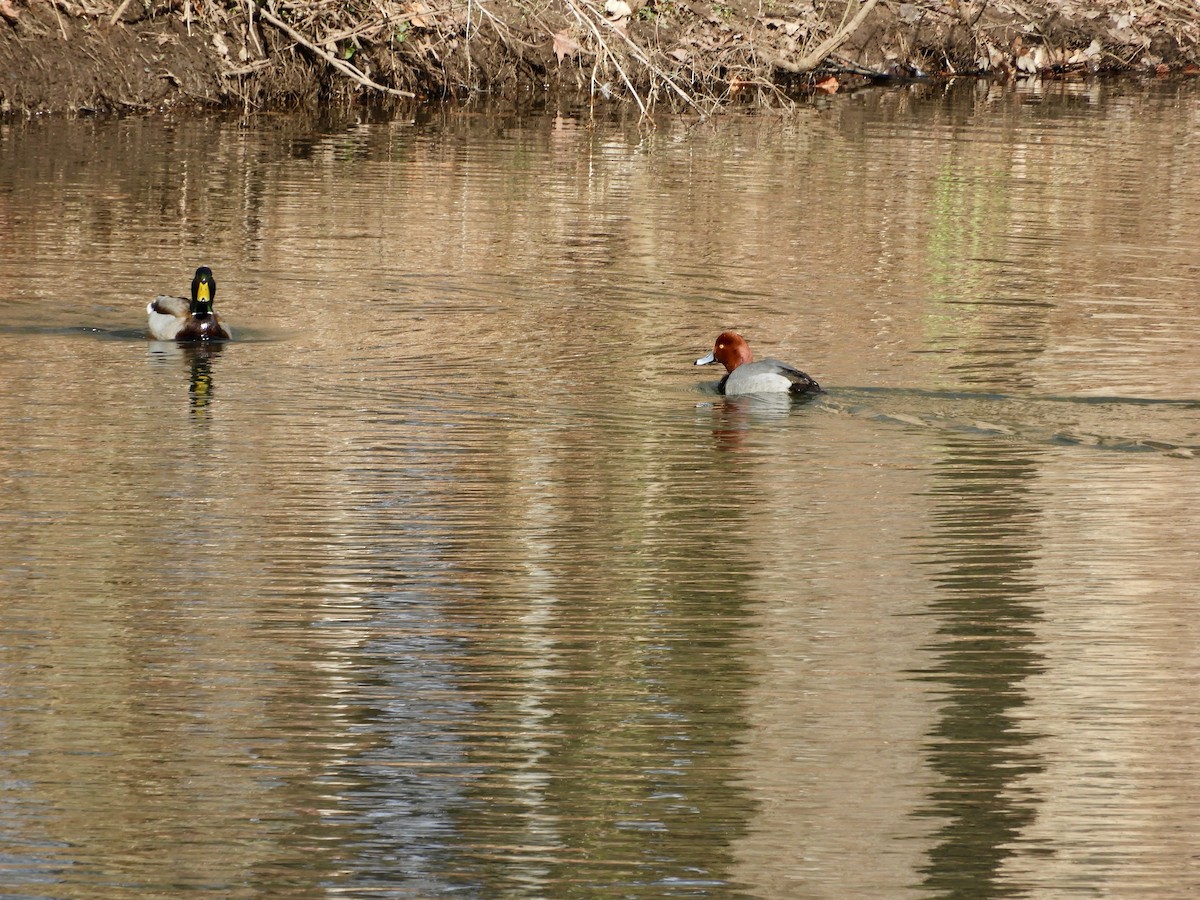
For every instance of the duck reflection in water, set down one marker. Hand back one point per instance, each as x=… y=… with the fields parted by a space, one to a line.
x=198 y=358
x=200 y=387
x=734 y=417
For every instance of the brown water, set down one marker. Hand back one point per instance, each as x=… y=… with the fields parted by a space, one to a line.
x=449 y=579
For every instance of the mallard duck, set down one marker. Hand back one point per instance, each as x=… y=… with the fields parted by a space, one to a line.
x=745 y=376
x=173 y=319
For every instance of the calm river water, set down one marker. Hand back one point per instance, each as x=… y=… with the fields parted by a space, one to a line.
x=449 y=578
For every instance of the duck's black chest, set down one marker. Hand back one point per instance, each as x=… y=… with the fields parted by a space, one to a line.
x=202 y=328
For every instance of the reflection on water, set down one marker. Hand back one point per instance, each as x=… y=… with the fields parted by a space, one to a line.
x=451 y=578
x=983 y=546
x=196 y=358
x=735 y=418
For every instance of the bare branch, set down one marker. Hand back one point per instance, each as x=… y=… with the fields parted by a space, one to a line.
x=116 y=17
x=341 y=65
x=813 y=59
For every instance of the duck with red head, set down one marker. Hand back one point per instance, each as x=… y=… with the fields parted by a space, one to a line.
x=177 y=319
x=743 y=375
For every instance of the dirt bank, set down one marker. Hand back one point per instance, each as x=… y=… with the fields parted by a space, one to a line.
x=98 y=55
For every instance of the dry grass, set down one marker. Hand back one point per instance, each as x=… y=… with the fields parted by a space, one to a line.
x=694 y=55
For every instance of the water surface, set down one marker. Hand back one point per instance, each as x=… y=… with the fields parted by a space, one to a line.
x=451 y=578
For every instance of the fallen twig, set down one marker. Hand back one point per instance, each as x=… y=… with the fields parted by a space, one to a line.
x=61 y=27
x=592 y=19
x=811 y=60
x=116 y=17
x=247 y=69
x=587 y=23
x=641 y=56
x=341 y=65
x=847 y=66
x=250 y=28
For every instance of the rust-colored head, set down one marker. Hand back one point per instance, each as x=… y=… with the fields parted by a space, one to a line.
x=730 y=350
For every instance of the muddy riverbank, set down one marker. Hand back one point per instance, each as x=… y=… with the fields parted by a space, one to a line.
x=66 y=56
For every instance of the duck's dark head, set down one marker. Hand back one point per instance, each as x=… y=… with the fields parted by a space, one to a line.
x=204 y=291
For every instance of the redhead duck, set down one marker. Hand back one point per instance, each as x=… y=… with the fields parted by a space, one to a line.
x=174 y=319
x=745 y=376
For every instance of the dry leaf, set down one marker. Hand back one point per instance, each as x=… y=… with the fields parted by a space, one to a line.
x=828 y=85
x=8 y=11
x=1087 y=56
x=616 y=10
x=992 y=60
x=219 y=43
x=417 y=13
x=564 y=45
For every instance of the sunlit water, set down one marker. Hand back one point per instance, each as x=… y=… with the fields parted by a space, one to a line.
x=449 y=577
